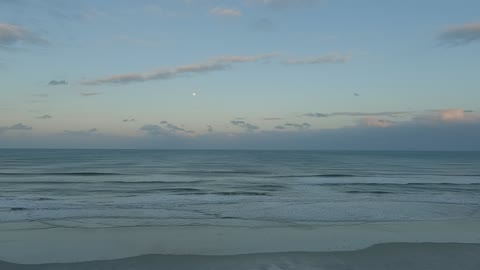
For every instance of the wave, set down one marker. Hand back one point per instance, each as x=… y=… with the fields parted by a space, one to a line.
x=216 y=172
x=262 y=174
x=104 y=182
x=64 y=173
x=330 y=175
x=369 y=192
x=229 y=193
x=18 y=209
x=340 y=175
x=398 y=184
x=382 y=189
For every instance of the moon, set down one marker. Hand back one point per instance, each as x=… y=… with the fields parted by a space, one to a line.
x=194 y=93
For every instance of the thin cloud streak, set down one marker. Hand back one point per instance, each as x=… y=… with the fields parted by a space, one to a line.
x=44 y=117
x=55 y=83
x=324 y=59
x=272 y=118
x=302 y=126
x=460 y=35
x=214 y=64
x=246 y=126
x=376 y=122
x=355 y=114
x=17 y=127
x=165 y=129
x=89 y=132
x=174 y=128
x=13 y=35
x=154 y=130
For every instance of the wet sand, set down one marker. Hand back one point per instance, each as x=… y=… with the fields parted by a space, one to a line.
x=393 y=256
x=67 y=241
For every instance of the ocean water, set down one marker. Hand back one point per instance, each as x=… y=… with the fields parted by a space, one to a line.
x=113 y=188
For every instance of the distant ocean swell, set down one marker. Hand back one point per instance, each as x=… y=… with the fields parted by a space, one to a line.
x=222 y=173
x=252 y=186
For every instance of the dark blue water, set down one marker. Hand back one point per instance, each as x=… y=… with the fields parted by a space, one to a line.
x=236 y=188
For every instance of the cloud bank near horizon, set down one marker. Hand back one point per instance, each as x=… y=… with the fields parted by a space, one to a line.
x=449 y=136
x=452 y=129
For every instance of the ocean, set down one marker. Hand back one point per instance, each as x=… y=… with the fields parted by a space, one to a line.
x=179 y=209
x=117 y=188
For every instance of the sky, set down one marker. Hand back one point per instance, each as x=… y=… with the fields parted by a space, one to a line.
x=244 y=74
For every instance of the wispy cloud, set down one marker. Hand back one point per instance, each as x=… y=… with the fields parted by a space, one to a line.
x=324 y=59
x=214 y=64
x=376 y=122
x=55 y=83
x=391 y=114
x=302 y=126
x=358 y=114
x=316 y=114
x=246 y=126
x=165 y=129
x=447 y=116
x=243 y=58
x=174 y=128
x=14 y=35
x=154 y=130
x=431 y=117
x=223 y=11
x=460 y=35
x=452 y=115
x=40 y=95
x=81 y=132
x=272 y=118
x=44 y=117
x=18 y=126
x=128 y=120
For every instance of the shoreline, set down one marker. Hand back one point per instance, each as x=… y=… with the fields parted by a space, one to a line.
x=35 y=243
x=393 y=256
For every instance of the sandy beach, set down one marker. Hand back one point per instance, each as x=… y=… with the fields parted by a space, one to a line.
x=65 y=241
x=383 y=256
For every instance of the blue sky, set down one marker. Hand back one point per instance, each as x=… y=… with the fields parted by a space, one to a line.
x=240 y=74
